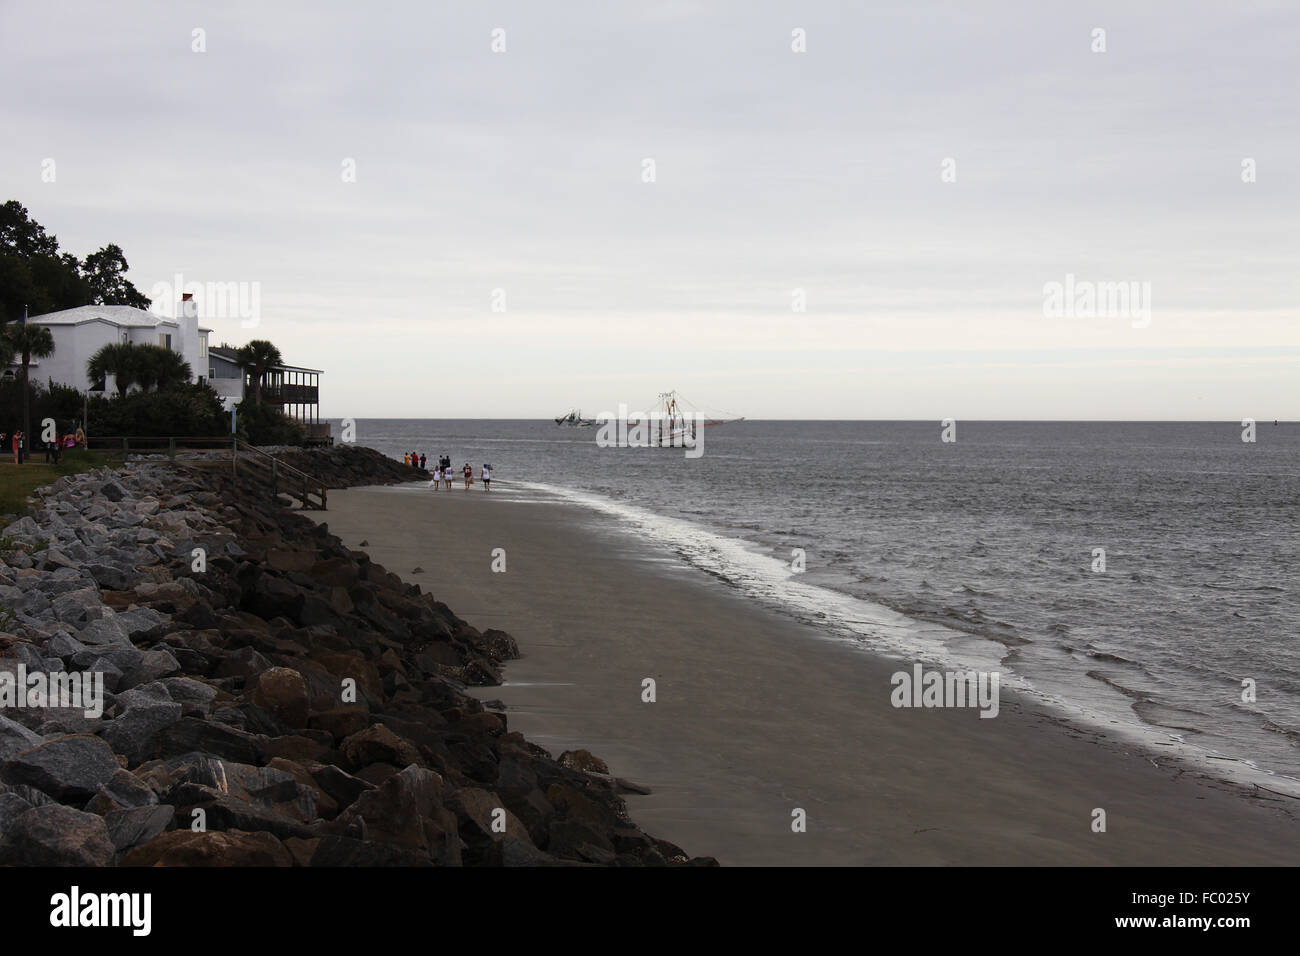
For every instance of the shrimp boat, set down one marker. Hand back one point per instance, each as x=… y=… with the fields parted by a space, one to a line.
x=680 y=420
x=574 y=420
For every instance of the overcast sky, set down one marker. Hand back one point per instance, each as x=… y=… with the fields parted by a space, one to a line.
x=774 y=171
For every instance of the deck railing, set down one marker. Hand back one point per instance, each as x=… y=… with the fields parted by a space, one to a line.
x=293 y=477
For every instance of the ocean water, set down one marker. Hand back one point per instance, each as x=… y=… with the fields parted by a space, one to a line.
x=980 y=552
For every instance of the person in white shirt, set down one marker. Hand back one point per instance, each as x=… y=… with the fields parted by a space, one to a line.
x=487 y=477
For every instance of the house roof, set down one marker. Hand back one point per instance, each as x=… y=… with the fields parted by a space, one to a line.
x=123 y=316
x=232 y=355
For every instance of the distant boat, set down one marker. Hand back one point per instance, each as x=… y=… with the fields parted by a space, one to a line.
x=574 y=420
x=680 y=424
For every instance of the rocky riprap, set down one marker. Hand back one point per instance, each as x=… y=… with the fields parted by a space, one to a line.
x=226 y=693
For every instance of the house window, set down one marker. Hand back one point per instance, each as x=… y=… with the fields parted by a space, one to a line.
x=165 y=341
x=203 y=347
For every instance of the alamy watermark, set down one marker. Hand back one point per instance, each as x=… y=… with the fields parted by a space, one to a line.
x=77 y=690
x=1084 y=299
x=922 y=688
x=651 y=430
x=212 y=300
x=99 y=910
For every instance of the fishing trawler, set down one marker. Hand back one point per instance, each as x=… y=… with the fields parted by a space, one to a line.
x=680 y=420
x=574 y=420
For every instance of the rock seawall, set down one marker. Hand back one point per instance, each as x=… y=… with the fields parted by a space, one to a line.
x=270 y=698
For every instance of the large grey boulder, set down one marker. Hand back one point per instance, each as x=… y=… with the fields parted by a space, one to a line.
x=142 y=623
x=141 y=718
x=108 y=576
x=12 y=806
x=65 y=721
x=123 y=657
x=55 y=835
x=24 y=529
x=112 y=673
x=34 y=602
x=63 y=646
x=79 y=607
x=107 y=630
x=151 y=666
x=113 y=490
x=191 y=693
x=69 y=768
x=15 y=738
x=124 y=791
x=128 y=828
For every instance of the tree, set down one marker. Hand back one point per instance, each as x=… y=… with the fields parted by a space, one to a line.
x=152 y=367
x=29 y=341
x=34 y=275
x=189 y=409
x=160 y=368
x=22 y=235
x=116 y=359
x=267 y=425
x=258 y=357
x=105 y=273
x=37 y=277
x=63 y=403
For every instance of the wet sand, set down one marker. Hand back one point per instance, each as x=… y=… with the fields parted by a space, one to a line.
x=757 y=715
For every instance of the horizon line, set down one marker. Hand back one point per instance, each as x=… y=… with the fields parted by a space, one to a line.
x=1061 y=421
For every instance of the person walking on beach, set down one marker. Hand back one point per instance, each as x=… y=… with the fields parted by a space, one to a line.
x=487 y=477
x=421 y=462
x=446 y=477
x=469 y=475
x=406 y=458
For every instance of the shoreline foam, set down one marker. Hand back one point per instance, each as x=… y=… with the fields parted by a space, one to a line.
x=883 y=631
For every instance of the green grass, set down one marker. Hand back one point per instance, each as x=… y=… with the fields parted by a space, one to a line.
x=18 y=482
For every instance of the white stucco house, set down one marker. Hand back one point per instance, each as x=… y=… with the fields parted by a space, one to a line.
x=81 y=332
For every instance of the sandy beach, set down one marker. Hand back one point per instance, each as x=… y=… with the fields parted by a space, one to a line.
x=757 y=716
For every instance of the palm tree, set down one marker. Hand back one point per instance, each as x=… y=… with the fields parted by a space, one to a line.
x=149 y=366
x=28 y=342
x=161 y=368
x=7 y=350
x=258 y=357
x=116 y=359
x=143 y=367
